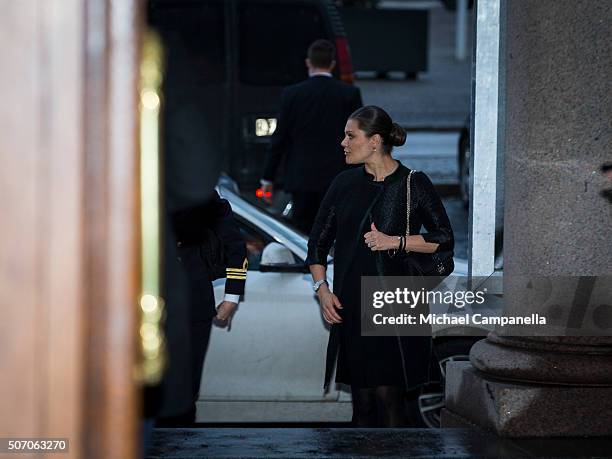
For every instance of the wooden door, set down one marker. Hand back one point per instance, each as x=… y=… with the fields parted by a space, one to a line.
x=69 y=232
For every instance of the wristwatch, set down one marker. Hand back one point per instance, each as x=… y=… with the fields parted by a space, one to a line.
x=317 y=285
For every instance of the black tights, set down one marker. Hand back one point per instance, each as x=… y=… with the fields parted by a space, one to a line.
x=381 y=406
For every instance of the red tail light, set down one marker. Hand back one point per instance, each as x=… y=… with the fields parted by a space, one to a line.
x=345 y=64
x=260 y=193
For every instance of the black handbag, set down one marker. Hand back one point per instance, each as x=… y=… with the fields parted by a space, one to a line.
x=213 y=255
x=440 y=264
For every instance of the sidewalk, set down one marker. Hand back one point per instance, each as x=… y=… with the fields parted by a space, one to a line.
x=346 y=442
x=440 y=97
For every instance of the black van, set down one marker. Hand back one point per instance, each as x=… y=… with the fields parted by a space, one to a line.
x=241 y=53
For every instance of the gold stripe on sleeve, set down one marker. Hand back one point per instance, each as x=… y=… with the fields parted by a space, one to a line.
x=229 y=276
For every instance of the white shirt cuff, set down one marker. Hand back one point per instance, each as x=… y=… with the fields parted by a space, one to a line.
x=232 y=298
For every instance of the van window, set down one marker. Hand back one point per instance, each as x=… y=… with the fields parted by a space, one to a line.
x=274 y=39
x=194 y=37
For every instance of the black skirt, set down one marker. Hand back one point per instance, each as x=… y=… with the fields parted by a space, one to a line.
x=370 y=361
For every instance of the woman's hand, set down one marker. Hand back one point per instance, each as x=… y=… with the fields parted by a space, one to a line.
x=329 y=303
x=376 y=240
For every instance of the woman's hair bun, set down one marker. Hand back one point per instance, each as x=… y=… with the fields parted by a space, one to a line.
x=397 y=136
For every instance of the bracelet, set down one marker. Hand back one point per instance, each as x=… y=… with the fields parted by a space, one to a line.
x=317 y=285
x=391 y=255
x=402 y=243
x=405 y=246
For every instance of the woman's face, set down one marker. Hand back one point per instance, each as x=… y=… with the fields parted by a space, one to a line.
x=358 y=147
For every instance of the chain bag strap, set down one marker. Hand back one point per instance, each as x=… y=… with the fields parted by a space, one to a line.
x=427 y=264
x=408 y=181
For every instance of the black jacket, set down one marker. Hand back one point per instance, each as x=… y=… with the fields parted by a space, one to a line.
x=354 y=199
x=352 y=202
x=309 y=130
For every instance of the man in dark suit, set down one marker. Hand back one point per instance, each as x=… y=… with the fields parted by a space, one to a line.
x=309 y=130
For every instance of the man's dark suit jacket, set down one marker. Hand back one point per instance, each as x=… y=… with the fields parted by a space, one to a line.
x=310 y=127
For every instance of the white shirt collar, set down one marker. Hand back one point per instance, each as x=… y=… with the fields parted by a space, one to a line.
x=327 y=74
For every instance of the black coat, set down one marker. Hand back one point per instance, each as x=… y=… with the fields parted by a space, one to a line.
x=310 y=127
x=352 y=202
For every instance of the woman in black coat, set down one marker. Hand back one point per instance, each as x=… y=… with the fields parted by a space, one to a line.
x=364 y=215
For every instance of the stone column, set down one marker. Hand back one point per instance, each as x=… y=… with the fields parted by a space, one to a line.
x=558 y=109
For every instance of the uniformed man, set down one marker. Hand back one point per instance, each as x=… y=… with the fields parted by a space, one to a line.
x=193 y=230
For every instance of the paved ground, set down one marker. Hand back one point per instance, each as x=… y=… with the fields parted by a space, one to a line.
x=440 y=97
x=344 y=443
x=434 y=153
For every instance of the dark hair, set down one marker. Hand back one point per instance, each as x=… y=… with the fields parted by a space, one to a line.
x=374 y=120
x=321 y=53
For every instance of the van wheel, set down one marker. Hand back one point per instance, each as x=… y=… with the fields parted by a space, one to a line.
x=425 y=408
